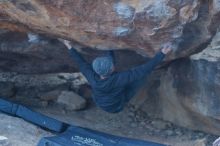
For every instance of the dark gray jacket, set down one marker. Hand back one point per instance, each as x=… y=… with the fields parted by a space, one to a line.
x=109 y=93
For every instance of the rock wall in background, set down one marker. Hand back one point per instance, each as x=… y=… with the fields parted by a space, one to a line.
x=187 y=93
x=45 y=55
x=139 y=25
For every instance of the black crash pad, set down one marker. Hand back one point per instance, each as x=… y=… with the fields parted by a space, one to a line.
x=76 y=136
x=32 y=116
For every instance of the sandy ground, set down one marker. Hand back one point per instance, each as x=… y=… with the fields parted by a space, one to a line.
x=132 y=124
x=17 y=132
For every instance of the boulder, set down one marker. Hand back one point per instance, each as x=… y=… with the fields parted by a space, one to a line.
x=71 y=100
x=45 y=86
x=50 y=96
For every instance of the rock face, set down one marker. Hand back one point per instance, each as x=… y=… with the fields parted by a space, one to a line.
x=125 y=24
x=187 y=92
x=190 y=95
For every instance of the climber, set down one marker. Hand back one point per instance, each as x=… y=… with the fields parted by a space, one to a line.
x=112 y=90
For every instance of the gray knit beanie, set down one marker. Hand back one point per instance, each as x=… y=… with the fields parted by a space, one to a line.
x=103 y=65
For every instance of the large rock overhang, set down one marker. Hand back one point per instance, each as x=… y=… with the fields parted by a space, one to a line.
x=137 y=25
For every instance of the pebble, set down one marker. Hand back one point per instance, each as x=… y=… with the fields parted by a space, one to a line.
x=130 y=132
x=132 y=114
x=3 y=138
x=137 y=116
x=150 y=133
x=63 y=111
x=130 y=119
x=169 y=132
x=142 y=124
x=159 y=124
x=157 y=131
x=134 y=125
x=178 y=132
x=201 y=134
x=149 y=127
x=44 y=103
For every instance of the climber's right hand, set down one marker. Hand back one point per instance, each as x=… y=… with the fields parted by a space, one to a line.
x=66 y=43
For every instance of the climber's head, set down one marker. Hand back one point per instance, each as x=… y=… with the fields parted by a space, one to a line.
x=103 y=66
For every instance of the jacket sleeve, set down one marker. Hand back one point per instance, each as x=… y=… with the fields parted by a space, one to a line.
x=84 y=66
x=139 y=72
